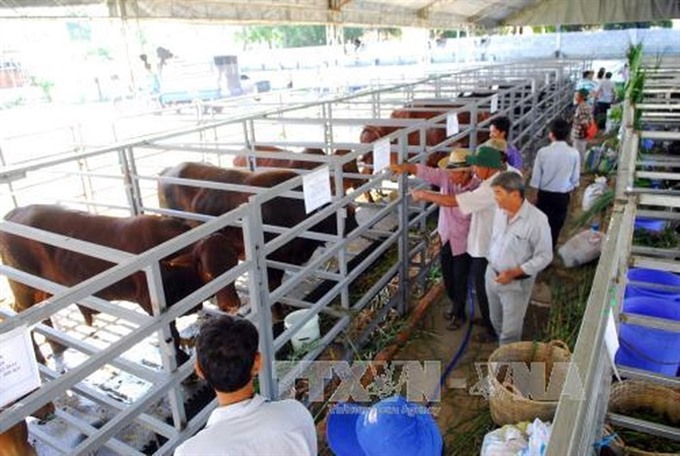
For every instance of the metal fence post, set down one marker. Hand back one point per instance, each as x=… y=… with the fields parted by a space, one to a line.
x=9 y=182
x=403 y=250
x=473 y=127
x=258 y=290
x=166 y=342
x=341 y=217
x=127 y=181
x=134 y=182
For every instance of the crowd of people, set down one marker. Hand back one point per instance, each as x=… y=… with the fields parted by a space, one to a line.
x=497 y=234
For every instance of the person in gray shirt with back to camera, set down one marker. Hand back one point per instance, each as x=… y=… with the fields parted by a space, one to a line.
x=520 y=248
x=555 y=174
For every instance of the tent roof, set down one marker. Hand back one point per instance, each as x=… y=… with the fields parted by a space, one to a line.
x=387 y=13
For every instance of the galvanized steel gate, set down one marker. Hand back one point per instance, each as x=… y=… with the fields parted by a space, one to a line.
x=330 y=125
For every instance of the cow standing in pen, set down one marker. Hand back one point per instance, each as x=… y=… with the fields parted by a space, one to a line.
x=182 y=272
x=280 y=211
x=350 y=167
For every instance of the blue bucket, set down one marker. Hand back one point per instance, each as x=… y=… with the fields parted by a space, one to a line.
x=653 y=225
x=652 y=276
x=650 y=349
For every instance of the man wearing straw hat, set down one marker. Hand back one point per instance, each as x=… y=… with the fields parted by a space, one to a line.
x=520 y=248
x=479 y=203
x=452 y=177
x=244 y=422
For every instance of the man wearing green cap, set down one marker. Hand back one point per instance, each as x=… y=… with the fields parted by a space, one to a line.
x=486 y=163
x=583 y=116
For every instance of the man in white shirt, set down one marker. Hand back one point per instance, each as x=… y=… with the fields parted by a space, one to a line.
x=555 y=174
x=244 y=423
x=604 y=97
x=519 y=250
x=486 y=163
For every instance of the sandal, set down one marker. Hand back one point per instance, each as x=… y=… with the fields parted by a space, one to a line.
x=455 y=324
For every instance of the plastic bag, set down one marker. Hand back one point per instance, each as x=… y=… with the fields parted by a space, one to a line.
x=593 y=191
x=539 y=435
x=582 y=248
x=592 y=130
x=506 y=441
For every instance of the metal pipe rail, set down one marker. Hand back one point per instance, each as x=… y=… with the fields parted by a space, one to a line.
x=140 y=158
x=583 y=404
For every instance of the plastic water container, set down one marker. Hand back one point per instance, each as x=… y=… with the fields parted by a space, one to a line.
x=652 y=276
x=650 y=349
x=643 y=223
x=308 y=333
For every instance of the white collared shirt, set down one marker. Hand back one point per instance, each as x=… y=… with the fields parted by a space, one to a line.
x=523 y=241
x=482 y=205
x=556 y=168
x=255 y=427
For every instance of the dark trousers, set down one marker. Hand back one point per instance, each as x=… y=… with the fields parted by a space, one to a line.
x=600 y=114
x=555 y=206
x=456 y=271
x=478 y=271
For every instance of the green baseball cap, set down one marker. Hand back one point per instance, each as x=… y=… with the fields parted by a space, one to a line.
x=486 y=156
x=584 y=92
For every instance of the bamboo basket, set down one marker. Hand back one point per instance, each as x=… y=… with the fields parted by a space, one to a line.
x=508 y=403
x=629 y=395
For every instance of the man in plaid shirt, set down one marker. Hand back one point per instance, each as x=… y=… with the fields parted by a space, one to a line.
x=583 y=116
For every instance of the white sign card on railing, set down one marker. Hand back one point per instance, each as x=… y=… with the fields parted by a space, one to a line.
x=18 y=367
x=316 y=187
x=381 y=155
x=547 y=78
x=452 y=127
x=611 y=341
x=533 y=86
x=494 y=103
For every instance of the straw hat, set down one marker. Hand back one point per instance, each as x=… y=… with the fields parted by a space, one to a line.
x=457 y=160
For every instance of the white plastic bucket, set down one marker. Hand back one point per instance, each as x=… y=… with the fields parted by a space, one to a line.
x=308 y=333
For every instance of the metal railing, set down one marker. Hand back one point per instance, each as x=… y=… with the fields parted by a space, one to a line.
x=583 y=405
x=330 y=125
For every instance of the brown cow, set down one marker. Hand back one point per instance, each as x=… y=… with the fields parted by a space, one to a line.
x=349 y=167
x=14 y=441
x=283 y=212
x=433 y=136
x=181 y=273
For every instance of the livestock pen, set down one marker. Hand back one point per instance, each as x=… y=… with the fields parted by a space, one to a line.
x=122 y=179
x=588 y=406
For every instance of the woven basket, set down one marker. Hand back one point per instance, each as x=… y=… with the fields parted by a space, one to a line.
x=508 y=404
x=630 y=395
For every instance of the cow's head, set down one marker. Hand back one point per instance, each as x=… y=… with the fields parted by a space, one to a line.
x=209 y=258
x=214 y=255
x=371 y=133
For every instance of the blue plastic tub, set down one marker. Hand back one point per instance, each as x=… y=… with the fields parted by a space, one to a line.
x=654 y=225
x=646 y=348
x=652 y=276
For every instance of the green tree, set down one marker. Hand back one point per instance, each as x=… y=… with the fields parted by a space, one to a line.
x=389 y=33
x=352 y=33
x=260 y=34
x=302 y=36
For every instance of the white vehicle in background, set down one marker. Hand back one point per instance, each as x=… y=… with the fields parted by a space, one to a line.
x=184 y=82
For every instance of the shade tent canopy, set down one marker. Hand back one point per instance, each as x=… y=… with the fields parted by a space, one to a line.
x=447 y=14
